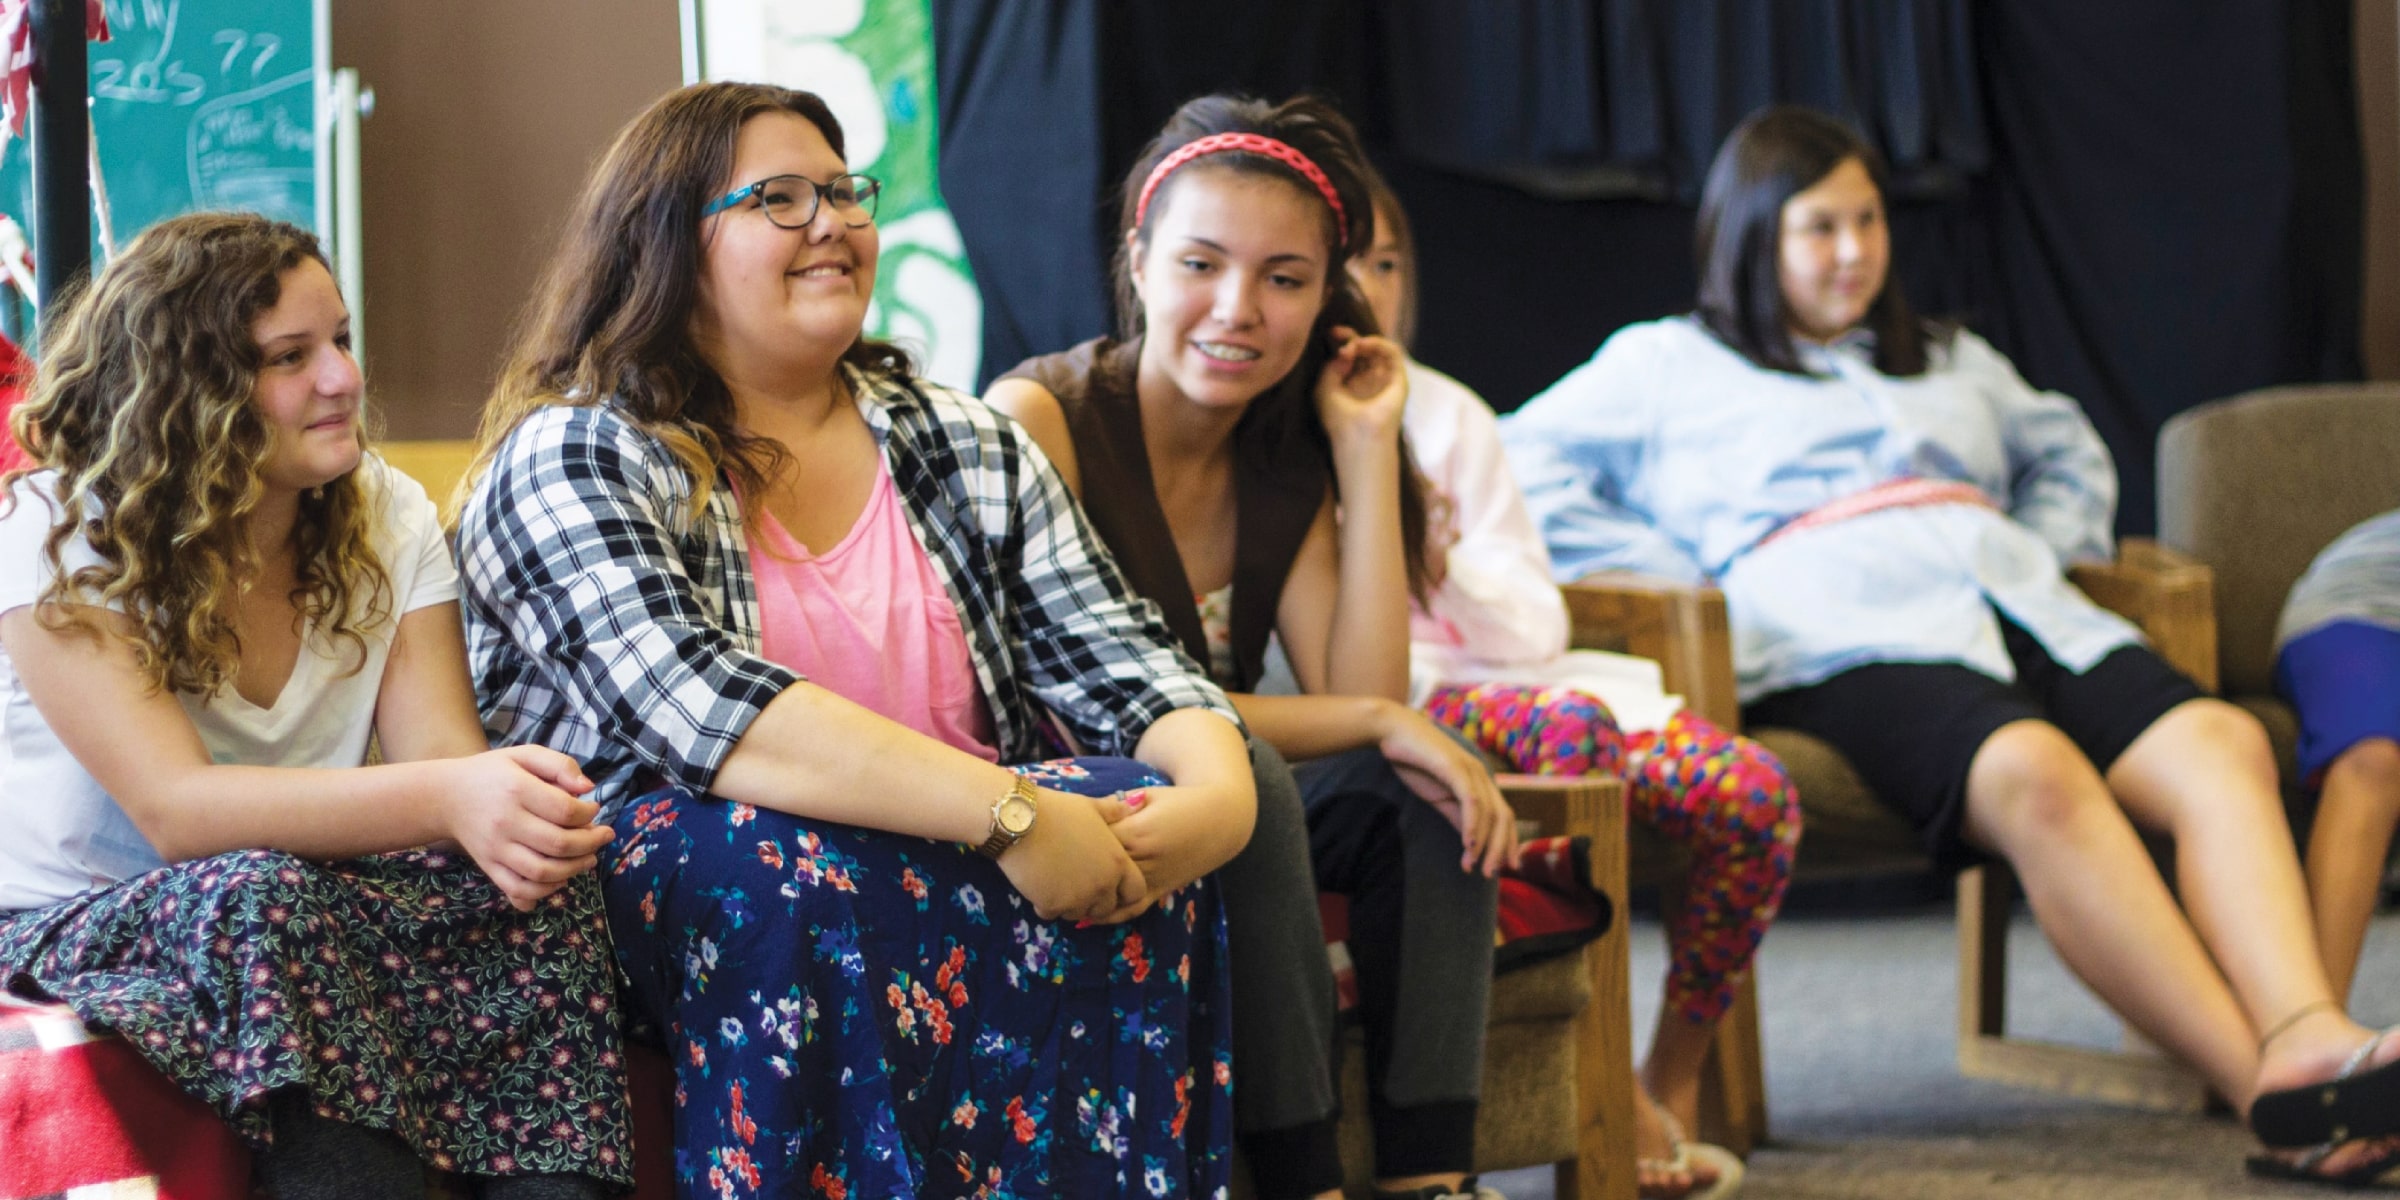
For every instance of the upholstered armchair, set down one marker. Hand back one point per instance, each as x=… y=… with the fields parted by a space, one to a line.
x=2253 y=487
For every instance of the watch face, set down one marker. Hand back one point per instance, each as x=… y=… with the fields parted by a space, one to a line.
x=1016 y=816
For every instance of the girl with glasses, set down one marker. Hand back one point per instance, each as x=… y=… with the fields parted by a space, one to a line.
x=799 y=610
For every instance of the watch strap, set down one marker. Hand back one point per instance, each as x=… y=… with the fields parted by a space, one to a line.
x=1000 y=839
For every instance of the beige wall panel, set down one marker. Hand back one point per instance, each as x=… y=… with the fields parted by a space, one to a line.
x=488 y=113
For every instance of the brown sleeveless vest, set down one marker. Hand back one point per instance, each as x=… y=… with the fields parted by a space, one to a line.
x=1281 y=476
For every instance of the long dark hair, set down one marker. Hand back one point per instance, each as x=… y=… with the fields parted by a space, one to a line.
x=1318 y=130
x=1775 y=154
x=611 y=322
x=1390 y=214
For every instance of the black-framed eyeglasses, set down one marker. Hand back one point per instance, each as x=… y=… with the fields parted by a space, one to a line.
x=791 y=200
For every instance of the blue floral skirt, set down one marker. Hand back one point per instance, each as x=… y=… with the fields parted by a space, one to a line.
x=400 y=992
x=856 y=1014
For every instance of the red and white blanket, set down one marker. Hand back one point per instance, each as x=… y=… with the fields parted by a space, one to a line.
x=82 y=1116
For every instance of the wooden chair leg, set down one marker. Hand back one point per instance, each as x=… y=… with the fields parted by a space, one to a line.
x=1604 y=1084
x=1985 y=1051
x=1984 y=896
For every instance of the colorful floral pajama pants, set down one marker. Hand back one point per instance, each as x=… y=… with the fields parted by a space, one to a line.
x=1722 y=796
x=856 y=1014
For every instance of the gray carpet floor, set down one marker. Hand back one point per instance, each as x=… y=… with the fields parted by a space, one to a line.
x=1866 y=1101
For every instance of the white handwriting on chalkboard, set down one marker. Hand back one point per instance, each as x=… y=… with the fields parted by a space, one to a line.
x=127 y=14
x=155 y=79
x=252 y=149
x=235 y=41
x=147 y=82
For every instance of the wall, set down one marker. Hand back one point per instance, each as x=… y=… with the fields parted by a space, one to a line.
x=487 y=117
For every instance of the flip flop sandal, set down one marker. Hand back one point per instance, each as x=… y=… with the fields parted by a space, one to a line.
x=2353 y=1104
x=1689 y=1154
x=2368 y=1174
x=1728 y=1166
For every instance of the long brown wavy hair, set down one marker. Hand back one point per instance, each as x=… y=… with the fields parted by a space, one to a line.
x=611 y=322
x=1320 y=131
x=143 y=404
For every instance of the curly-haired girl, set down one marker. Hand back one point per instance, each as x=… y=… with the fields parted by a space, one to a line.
x=213 y=599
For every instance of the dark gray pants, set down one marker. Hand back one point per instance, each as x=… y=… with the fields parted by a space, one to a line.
x=1421 y=940
x=317 y=1157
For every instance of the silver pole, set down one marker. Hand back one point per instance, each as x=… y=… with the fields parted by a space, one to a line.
x=349 y=263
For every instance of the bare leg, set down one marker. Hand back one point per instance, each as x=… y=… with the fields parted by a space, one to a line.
x=1671 y=1074
x=1670 y=1084
x=2205 y=774
x=2035 y=800
x=2355 y=820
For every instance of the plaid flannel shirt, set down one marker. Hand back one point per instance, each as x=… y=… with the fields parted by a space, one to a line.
x=602 y=623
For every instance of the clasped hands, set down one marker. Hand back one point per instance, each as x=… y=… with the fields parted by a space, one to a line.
x=1107 y=859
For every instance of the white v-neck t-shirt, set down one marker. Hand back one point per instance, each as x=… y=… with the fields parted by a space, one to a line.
x=65 y=835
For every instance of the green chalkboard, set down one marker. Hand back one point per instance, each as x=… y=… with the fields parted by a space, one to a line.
x=196 y=104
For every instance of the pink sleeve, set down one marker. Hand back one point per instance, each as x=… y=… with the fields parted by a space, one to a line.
x=1497 y=597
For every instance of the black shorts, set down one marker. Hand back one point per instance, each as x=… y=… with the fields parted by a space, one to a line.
x=1912 y=729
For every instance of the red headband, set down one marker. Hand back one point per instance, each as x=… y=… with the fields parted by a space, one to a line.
x=1254 y=144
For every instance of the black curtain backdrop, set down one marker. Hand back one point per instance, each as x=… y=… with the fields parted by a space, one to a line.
x=2146 y=203
x=1018 y=85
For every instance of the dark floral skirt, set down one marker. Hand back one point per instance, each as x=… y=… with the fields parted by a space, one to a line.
x=858 y=1015
x=402 y=992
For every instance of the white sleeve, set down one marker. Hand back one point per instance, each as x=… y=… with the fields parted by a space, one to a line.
x=24 y=527
x=1497 y=592
x=2062 y=482
x=416 y=553
x=1580 y=451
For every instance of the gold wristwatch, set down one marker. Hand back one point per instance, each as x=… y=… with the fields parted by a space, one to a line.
x=1012 y=818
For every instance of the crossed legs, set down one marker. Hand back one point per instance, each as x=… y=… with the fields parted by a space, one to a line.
x=2239 y=957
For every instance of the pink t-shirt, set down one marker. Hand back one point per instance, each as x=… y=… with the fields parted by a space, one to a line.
x=870 y=620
